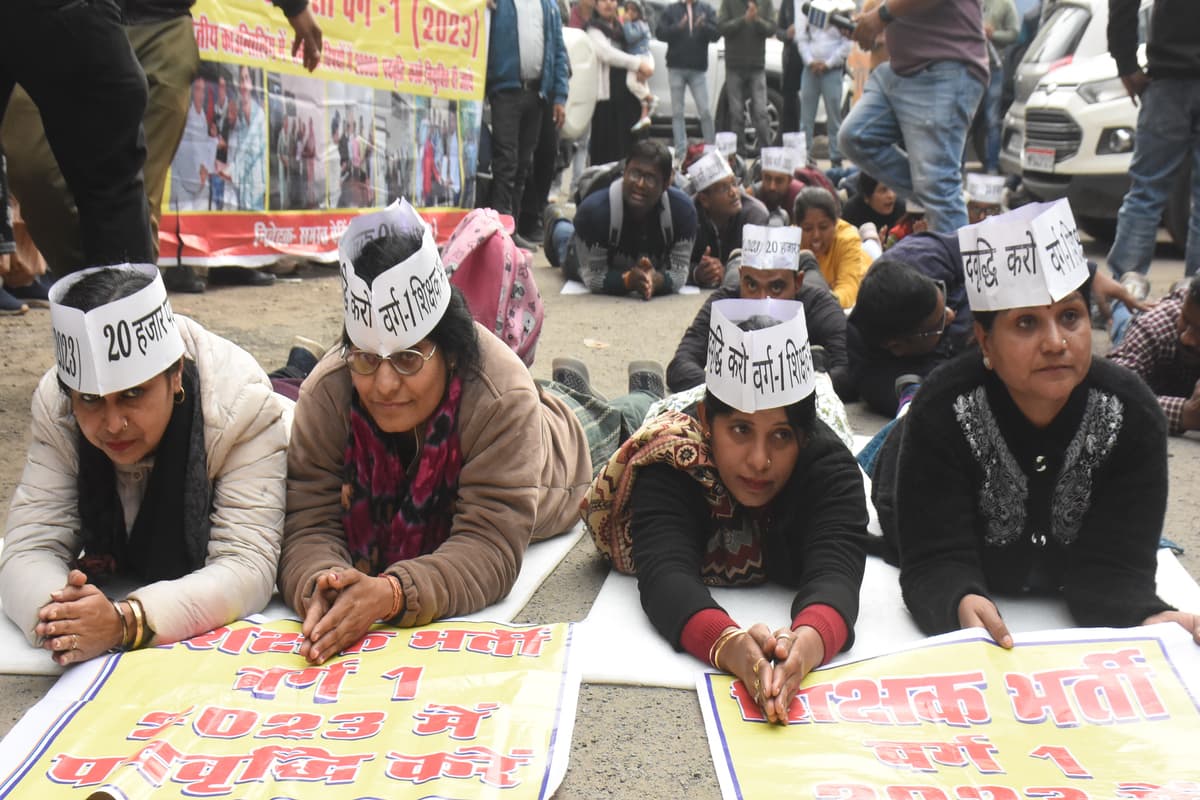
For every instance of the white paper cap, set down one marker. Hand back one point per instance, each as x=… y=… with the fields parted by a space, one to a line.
x=403 y=304
x=1030 y=256
x=707 y=170
x=757 y=370
x=116 y=345
x=726 y=142
x=779 y=159
x=765 y=247
x=985 y=189
x=796 y=142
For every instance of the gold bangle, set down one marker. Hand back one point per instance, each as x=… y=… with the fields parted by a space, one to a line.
x=124 y=624
x=139 y=623
x=720 y=645
x=397 y=597
x=720 y=640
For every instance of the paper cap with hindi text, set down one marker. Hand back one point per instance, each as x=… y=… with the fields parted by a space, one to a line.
x=1030 y=256
x=779 y=159
x=985 y=189
x=116 y=345
x=707 y=170
x=798 y=144
x=765 y=247
x=755 y=370
x=403 y=304
x=726 y=142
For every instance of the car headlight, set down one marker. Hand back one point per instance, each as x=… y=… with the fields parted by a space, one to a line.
x=1115 y=140
x=1102 y=91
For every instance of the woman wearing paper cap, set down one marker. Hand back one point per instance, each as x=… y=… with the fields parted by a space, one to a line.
x=424 y=457
x=157 y=463
x=752 y=488
x=1028 y=467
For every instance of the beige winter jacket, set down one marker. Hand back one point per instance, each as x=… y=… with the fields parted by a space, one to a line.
x=245 y=435
x=525 y=469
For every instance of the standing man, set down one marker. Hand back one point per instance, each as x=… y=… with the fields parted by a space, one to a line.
x=1168 y=129
x=923 y=101
x=688 y=27
x=527 y=69
x=746 y=26
x=823 y=52
x=1001 y=26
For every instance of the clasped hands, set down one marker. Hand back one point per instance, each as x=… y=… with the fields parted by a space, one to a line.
x=79 y=622
x=772 y=665
x=345 y=603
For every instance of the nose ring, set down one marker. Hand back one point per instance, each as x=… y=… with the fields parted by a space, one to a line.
x=768 y=463
x=1064 y=342
x=125 y=423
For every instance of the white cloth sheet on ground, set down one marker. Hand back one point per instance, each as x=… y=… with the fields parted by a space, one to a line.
x=17 y=657
x=576 y=287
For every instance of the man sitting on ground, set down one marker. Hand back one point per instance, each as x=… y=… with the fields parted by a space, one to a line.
x=722 y=209
x=1163 y=346
x=634 y=236
x=778 y=187
x=911 y=315
x=824 y=316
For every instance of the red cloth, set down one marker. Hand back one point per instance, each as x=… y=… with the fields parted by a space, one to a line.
x=828 y=623
x=702 y=630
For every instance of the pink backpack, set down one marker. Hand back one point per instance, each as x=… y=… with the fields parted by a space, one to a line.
x=496 y=277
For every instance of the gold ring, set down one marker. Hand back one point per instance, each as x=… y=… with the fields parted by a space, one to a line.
x=75 y=641
x=758 y=664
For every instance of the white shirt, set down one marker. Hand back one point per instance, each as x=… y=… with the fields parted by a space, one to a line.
x=531 y=38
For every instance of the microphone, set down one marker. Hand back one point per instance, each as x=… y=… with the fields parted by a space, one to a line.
x=823 y=13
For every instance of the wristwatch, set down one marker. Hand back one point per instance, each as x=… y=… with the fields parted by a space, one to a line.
x=885 y=14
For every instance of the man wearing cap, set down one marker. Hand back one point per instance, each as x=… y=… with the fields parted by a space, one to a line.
x=636 y=236
x=1162 y=345
x=758 y=280
x=985 y=196
x=527 y=69
x=778 y=187
x=746 y=26
x=909 y=127
x=722 y=209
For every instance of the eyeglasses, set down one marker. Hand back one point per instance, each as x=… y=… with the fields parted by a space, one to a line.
x=405 y=362
x=945 y=316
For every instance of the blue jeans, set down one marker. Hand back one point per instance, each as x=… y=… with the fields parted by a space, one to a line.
x=697 y=81
x=827 y=86
x=1168 y=130
x=1121 y=317
x=930 y=114
x=741 y=84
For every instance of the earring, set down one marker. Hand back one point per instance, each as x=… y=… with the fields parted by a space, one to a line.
x=180 y=396
x=987 y=363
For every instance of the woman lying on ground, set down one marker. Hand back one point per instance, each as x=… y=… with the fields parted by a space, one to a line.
x=753 y=488
x=158 y=463
x=1046 y=468
x=835 y=242
x=424 y=458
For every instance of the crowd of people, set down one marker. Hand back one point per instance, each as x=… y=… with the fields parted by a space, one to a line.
x=181 y=472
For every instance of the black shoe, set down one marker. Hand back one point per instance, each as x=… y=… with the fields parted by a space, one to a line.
x=572 y=373
x=647 y=376
x=524 y=243
x=241 y=276
x=34 y=295
x=183 y=279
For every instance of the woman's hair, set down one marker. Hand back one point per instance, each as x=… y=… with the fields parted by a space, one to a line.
x=867 y=185
x=815 y=197
x=893 y=298
x=801 y=415
x=1194 y=290
x=987 y=319
x=101 y=288
x=454 y=333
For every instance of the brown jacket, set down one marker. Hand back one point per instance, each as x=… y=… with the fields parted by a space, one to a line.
x=525 y=469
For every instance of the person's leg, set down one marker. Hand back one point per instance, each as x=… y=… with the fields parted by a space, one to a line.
x=530 y=129
x=758 y=108
x=1121 y=316
x=560 y=240
x=168 y=54
x=831 y=93
x=934 y=109
x=678 y=83
x=579 y=161
x=81 y=71
x=537 y=188
x=506 y=133
x=736 y=86
x=991 y=154
x=697 y=81
x=870 y=135
x=1191 y=263
x=1164 y=138
x=810 y=86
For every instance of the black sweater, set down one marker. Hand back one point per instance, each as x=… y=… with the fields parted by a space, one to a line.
x=987 y=503
x=812 y=536
x=826 y=327
x=688 y=49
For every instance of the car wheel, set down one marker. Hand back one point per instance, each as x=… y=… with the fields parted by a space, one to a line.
x=774 y=115
x=1102 y=230
x=1179 y=208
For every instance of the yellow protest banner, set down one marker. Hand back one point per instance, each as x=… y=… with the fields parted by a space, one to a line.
x=1105 y=716
x=463 y=710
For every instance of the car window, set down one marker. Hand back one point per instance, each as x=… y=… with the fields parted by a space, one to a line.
x=1059 y=35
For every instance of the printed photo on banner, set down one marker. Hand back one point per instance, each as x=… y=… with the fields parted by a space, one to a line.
x=297 y=124
x=439 y=159
x=1087 y=714
x=400 y=167
x=354 y=120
